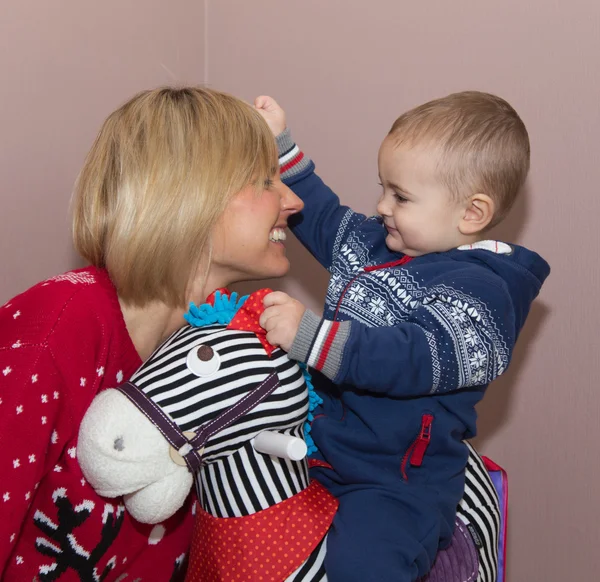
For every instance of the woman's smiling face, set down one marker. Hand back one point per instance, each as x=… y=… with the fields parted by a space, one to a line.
x=248 y=241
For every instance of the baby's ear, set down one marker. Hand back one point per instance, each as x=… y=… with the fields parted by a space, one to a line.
x=478 y=214
x=161 y=499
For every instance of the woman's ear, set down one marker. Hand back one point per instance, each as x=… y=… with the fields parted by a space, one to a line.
x=478 y=214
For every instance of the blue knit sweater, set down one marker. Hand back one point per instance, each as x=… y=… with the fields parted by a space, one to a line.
x=404 y=341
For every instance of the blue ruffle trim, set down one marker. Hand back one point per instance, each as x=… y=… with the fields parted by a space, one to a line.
x=313 y=401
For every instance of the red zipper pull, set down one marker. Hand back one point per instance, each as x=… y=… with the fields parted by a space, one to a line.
x=422 y=442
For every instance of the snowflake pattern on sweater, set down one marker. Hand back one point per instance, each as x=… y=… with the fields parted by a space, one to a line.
x=474 y=350
x=61 y=342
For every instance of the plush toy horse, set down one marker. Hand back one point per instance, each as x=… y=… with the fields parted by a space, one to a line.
x=217 y=406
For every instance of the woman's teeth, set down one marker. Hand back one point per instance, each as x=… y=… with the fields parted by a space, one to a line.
x=277 y=235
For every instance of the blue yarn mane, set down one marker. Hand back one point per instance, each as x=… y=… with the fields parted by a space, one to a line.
x=222 y=312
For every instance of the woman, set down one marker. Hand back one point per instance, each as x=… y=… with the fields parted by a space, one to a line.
x=179 y=195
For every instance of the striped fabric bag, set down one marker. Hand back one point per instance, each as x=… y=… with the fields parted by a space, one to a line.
x=483 y=510
x=477 y=551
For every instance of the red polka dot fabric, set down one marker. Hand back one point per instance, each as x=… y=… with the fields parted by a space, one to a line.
x=246 y=319
x=266 y=546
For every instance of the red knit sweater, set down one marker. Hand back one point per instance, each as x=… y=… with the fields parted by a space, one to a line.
x=61 y=342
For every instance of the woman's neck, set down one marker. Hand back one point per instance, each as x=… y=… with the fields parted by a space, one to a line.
x=149 y=326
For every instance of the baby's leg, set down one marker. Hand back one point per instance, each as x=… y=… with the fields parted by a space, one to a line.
x=378 y=536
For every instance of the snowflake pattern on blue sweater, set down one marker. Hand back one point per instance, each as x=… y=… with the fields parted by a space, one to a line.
x=460 y=304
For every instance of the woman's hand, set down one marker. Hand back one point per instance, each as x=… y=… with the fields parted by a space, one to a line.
x=281 y=319
x=272 y=113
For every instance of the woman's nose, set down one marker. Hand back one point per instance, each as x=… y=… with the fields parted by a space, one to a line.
x=290 y=203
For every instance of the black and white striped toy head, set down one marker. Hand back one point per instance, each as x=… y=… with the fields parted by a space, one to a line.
x=200 y=372
x=193 y=377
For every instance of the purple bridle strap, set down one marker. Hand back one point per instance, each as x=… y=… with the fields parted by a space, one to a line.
x=162 y=422
x=173 y=433
x=245 y=405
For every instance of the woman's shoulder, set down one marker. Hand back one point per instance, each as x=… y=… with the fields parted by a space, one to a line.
x=81 y=297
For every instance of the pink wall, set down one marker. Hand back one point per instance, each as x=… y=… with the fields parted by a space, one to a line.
x=344 y=70
x=65 y=65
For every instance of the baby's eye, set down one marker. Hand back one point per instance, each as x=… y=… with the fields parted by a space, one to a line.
x=399 y=198
x=203 y=361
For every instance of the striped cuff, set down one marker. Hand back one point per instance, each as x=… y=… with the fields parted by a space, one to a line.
x=292 y=161
x=320 y=343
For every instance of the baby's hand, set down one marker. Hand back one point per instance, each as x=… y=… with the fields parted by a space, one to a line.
x=281 y=319
x=272 y=113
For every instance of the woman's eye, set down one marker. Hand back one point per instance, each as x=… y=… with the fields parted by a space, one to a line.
x=268 y=183
x=203 y=361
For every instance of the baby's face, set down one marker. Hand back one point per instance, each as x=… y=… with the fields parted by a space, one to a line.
x=419 y=214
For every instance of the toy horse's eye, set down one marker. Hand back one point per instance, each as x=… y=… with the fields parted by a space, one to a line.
x=205 y=353
x=203 y=361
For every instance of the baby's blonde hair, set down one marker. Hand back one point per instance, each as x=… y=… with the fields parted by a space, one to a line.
x=159 y=175
x=481 y=142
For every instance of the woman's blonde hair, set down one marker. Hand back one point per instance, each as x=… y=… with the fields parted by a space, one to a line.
x=159 y=175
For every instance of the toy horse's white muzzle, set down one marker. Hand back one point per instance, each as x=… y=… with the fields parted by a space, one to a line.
x=121 y=453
